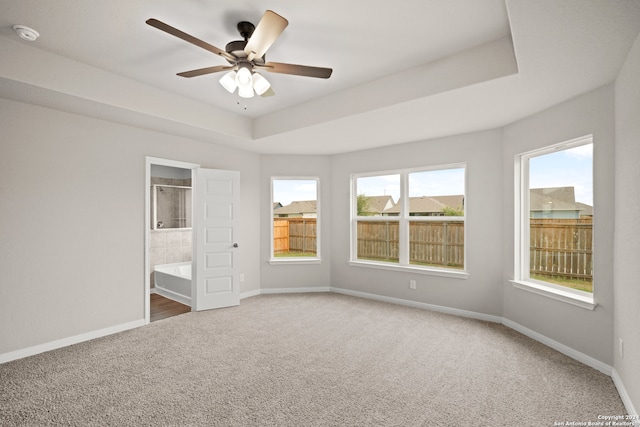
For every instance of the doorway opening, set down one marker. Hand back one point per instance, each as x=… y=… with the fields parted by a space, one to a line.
x=168 y=237
x=163 y=308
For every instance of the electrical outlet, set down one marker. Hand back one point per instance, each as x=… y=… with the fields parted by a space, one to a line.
x=412 y=284
x=242 y=277
x=621 y=349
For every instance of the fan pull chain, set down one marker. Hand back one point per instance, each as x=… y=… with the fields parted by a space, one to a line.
x=238 y=103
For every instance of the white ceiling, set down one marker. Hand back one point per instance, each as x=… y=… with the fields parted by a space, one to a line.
x=403 y=71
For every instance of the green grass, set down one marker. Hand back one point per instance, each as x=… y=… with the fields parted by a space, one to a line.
x=389 y=260
x=579 y=284
x=452 y=266
x=295 y=254
x=395 y=261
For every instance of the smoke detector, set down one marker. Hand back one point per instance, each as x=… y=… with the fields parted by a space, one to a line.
x=26 y=33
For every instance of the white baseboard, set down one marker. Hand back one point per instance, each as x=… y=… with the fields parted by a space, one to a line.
x=294 y=290
x=41 y=348
x=626 y=399
x=250 y=294
x=422 y=305
x=566 y=350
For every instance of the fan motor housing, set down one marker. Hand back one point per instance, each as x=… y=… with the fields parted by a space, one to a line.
x=246 y=29
x=236 y=48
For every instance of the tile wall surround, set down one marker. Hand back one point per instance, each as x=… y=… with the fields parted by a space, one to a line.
x=167 y=246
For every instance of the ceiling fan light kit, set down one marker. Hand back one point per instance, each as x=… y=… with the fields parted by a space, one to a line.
x=228 y=81
x=243 y=75
x=245 y=81
x=260 y=84
x=246 y=56
x=245 y=91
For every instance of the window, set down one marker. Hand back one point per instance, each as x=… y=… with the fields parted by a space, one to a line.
x=295 y=212
x=554 y=244
x=410 y=219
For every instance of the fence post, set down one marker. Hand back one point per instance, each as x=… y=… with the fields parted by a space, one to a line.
x=304 y=235
x=445 y=255
x=388 y=243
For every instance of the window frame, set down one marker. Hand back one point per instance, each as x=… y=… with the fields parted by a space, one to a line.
x=404 y=220
x=522 y=279
x=273 y=260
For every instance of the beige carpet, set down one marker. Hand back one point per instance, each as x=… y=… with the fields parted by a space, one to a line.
x=306 y=360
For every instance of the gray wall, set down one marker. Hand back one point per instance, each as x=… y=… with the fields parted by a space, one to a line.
x=590 y=332
x=627 y=232
x=482 y=291
x=72 y=230
x=161 y=171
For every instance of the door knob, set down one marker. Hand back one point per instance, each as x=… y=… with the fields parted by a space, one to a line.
x=235 y=245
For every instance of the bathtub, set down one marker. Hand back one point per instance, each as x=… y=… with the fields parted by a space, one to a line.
x=173 y=281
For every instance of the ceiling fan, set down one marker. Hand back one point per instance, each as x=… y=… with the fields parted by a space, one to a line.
x=247 y=56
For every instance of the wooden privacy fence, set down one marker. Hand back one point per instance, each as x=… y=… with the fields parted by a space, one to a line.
x=378 y=240
x=438 y=243
x=294 y=235
x=558 y=247
x=561 y=247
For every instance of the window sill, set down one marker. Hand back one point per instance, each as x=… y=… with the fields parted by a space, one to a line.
x=585 y=302
x=294 y=261
x=410 y=269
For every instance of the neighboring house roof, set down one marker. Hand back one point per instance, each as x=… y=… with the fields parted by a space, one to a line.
x=277 y=205
x=552 y=199
x=297 y=207
x=377 y=204
x=456 y=201
x=585 y=209
x=425 y=204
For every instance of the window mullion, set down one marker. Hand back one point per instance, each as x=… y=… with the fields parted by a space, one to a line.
x=524 y=220
x=403 y=232
x=354 y=220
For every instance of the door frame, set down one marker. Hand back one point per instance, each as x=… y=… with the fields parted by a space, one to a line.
x=147 y=220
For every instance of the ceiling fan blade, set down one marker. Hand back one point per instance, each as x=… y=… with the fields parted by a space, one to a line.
x=298 y=70
x=207 y=70
x=189 y=38
x=267 y=31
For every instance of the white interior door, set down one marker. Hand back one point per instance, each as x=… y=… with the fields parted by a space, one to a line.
x=215 y=270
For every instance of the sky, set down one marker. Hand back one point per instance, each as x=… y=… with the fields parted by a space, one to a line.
x=447 y=182
x=566 y=168
x=286 y=191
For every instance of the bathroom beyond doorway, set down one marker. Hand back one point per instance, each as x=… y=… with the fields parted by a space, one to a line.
x=162 y=308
